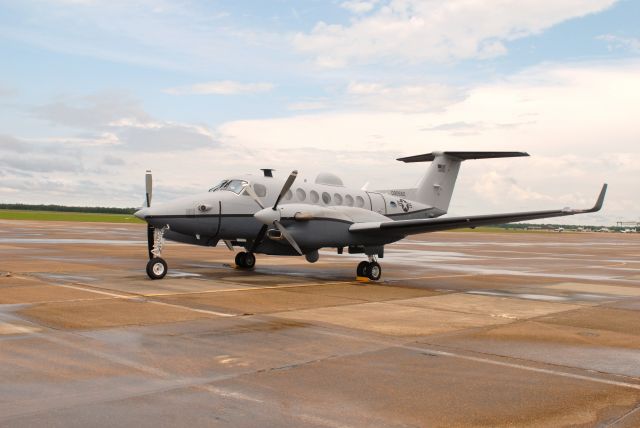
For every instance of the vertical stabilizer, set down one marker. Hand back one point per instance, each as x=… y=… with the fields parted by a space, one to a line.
x=436 y=186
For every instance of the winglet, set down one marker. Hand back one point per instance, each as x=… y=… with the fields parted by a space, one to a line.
x=600 y=200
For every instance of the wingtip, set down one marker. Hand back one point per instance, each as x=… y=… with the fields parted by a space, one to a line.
x=600 y=201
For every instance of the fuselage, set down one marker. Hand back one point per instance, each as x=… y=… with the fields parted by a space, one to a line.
x=226 y=212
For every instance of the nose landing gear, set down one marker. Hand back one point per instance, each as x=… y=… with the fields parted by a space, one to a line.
x=156 y=267
x=370 y=269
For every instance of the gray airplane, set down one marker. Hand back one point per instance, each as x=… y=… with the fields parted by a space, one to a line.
x=266 y=214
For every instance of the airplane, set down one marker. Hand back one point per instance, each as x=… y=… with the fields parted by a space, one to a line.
x=266 y=214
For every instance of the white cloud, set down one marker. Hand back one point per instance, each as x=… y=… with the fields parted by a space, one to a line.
x=578 y=122
x=308 y=105
x=616 y=42
x=406 y=98
x=358 y=6
x=437 y=30
x=222 y=87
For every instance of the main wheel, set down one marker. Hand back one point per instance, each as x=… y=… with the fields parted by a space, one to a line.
x=361 y=270
x=374 y=271
x=249 y=260
x=156 y=268
x=240 y=259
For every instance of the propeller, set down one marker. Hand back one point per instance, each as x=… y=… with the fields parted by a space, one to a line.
x=150 y=229
x=148 y=181
x=273 y=216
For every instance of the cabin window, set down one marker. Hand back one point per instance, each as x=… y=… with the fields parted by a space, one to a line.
x=288 y=195
x=393 y=204
x=359 y=201
x=314 y=196
x=348 y=199
x=301 y=195
x=326 y=198
x=260 y=189
x=337 y=199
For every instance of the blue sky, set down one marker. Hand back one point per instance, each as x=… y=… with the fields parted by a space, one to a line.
x=92 y=93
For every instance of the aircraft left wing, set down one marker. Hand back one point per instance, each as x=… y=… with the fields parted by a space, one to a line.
x=410 y=227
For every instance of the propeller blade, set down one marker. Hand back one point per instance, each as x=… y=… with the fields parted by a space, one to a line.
x=150 y=240
x=258 y=239
x=286 y=187
x=148 y=187
x=287 y=236
x=254 y=195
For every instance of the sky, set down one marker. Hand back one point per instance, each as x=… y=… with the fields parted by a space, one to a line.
x=93 y=93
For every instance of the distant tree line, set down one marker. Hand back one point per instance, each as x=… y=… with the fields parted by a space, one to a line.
x=63 y=208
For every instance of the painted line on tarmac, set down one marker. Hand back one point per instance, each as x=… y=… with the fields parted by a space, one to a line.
x=92 y=290
x=436 y=277
x=202 y=311
x=527 y=368
x=249 y=288
x=489 y=361
x=138 y=296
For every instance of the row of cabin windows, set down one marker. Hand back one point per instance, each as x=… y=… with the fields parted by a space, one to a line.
x=314 y=197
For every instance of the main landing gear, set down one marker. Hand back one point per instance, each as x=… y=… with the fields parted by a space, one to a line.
x=156 y=267
x=370 y=269
x=245 y=260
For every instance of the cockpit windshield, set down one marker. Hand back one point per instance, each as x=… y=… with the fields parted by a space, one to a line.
x=234 y=186
x=218 y=186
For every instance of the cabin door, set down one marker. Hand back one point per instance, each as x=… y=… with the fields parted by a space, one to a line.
x=378 y=203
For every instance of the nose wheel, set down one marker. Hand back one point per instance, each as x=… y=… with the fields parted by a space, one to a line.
x=245 y=260
x=371 y=270
x=156 y=268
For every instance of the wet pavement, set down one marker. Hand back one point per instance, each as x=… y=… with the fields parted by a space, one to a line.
x=465 y=329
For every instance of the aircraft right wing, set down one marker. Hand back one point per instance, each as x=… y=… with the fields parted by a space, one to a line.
x=411 y=227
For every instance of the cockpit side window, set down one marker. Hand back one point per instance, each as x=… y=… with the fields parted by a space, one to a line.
x=260 y=189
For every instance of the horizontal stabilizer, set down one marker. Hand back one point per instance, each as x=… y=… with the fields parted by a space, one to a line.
x=428 y=157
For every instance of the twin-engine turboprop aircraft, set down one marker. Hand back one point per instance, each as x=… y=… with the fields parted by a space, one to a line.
x=271 y=215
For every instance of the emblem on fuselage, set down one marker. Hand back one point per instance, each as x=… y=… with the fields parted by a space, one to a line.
x=405 y=205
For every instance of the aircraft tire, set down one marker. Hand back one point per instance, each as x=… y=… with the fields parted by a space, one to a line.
x=240 y=259
x=374 y=271
x=249 y=260
x=361 y=270
x=156 y=268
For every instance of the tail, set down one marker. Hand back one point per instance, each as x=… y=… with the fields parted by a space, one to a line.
x=436 y=187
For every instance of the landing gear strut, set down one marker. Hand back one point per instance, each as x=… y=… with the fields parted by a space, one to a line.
x=245 y=260
x=156 y=267
x=370 y=269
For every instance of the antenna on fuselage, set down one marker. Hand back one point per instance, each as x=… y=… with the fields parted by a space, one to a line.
x=268 y=172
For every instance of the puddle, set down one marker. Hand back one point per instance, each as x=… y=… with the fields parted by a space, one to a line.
x=527 y=296
x=67 y=278
x=181 y=274
x=69 y=241
x=514 y=244
x=544 y=297
x=414 y=257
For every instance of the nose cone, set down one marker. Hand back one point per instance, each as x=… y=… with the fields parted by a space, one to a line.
x=141 y=213
x=267 y=215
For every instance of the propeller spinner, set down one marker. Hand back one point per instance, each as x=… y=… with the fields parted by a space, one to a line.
x=271 y=216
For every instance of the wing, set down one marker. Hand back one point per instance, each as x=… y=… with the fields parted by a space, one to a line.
x=410 y=227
